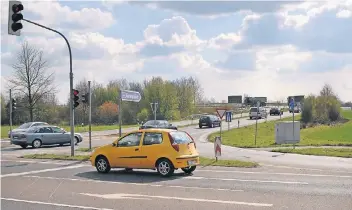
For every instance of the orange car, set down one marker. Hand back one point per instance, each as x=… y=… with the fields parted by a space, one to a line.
x=163 y=149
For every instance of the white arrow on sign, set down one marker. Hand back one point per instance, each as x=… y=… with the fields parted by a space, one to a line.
x=128 y=95
x=139 y=196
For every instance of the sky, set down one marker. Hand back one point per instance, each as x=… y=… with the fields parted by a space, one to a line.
x=262 y=48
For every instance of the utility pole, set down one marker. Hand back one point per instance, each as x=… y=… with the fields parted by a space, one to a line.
x=90 y=116
x=10 y=104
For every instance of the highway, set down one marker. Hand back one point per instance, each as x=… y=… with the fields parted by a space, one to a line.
x=52 y=185
x=206 y=149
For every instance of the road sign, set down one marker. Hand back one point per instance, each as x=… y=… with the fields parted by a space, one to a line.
x=292 y=104
x=217 y=146
x=127 y=95
x=228 y=116
x=221 y=112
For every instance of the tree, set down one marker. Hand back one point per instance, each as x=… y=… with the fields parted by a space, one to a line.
x=30 y=76
x=108 y=112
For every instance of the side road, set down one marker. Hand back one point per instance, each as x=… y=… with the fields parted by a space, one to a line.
x=271 y=158
x=182 y=123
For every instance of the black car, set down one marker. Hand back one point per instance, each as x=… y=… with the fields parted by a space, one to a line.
x=210 y=121
x=275 y=111
x=158 y=124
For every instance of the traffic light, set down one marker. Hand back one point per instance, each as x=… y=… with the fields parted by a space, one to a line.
x=75 y=98
x=13 y=103
x=85 y=98
x=15 y=17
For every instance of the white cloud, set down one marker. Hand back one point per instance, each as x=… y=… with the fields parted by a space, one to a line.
x=344 y=14
x=174 y=31
x=52 y=13
x=225 y=41
x=280 y=58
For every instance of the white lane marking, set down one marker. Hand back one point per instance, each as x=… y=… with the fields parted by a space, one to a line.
x=138 y=184
x=311 y=169
x=54 y=204
x=41 y=171
x=40 y=162
x=124 y=196
x=245 y=180
x=276 y=173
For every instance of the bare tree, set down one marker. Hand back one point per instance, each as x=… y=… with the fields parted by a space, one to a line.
x=30 y=76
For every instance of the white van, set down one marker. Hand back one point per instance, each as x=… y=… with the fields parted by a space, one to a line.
x=255 y=113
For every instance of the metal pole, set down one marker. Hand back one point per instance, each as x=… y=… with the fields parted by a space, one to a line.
x=10 y=117
x=71 y=84
x=90 y=117
x=119 y=111
x=220 y=129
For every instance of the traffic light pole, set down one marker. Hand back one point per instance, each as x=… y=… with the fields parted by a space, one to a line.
x=10 y=105
x=120 y=113
x=71 y=84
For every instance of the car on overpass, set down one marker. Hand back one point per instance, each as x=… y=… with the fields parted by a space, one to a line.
x=165 y=150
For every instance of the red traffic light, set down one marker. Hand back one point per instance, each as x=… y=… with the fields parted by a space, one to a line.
x=17 y=7
x=75 y=92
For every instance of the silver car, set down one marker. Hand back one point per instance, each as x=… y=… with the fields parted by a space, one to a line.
x=44 y=135
x=255 y=113
x=24 y=127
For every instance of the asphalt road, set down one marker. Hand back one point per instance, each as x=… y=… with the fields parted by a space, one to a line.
x=207 y=149
x=55 y=185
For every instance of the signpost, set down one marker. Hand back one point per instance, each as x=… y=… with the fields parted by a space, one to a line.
x=126 y=95
x=228 y=118
x=90 y=116
x=292 y=107
x=256 y=123
x=221 y=113
x=217 y=147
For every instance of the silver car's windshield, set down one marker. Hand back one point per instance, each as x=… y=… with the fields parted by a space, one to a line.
x=25 y=126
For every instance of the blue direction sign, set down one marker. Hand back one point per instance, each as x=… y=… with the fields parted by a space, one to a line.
x=228 y=116
x=127 y=95
x=292 y=104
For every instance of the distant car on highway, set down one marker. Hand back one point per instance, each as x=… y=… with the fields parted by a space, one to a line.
x=275 y=111
x=259 y=114
x=165 y=150
x=36 y=136
x=24 y=127
x=210 y=121
x=157 y=124
x=295 y=110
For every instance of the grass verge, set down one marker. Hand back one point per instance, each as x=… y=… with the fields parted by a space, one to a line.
x=57 y=157
x=333 y=152
x=338 y=135
x=203 y=160
x=85 y=149
x=227 y=163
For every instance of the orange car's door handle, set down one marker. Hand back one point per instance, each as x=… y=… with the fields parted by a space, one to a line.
x=136 y=149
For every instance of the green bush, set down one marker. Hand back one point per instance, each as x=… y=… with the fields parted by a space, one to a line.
x=321 y=109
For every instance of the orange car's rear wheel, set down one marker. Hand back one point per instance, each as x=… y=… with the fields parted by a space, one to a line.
x=165 y=167
x=189 y=170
